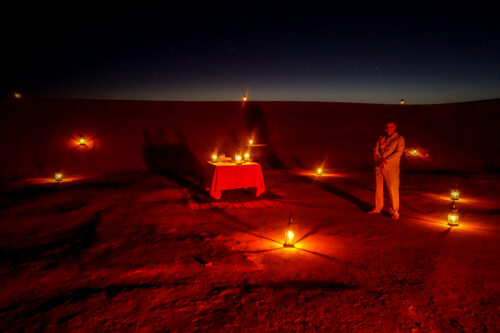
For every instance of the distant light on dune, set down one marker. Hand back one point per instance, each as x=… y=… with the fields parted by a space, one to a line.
x=58 y=176
x=17 y=95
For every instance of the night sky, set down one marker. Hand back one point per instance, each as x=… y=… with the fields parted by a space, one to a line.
x=378 y=54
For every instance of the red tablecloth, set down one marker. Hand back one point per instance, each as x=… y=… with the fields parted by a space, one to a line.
x=230 y=176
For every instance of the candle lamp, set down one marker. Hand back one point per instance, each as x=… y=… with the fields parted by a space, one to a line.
x=453 y=216
x=455 y=194
x=250 y=142
x=238 y=159
x=244 y=98
x=58 y=176
x=289 y=234
x=319 y=171
x=82 y=141
x=214 y=157
x=247 y=157
x=414 y=152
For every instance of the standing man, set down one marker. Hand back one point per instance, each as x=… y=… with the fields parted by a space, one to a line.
x=387 y=154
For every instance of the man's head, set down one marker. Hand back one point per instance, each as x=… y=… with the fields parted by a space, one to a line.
x=390 y=128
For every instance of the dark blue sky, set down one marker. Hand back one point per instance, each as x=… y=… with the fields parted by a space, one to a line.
x=378 y=54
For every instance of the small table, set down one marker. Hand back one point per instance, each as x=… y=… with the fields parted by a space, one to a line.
x=230 y=176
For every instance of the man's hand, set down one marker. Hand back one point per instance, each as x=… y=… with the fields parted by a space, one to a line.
x=381 y=163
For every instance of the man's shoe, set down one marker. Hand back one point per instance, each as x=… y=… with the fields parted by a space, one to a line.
x=374 y=211
x=395 y=216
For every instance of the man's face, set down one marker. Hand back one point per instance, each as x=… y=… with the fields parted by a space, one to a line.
x=390 y=128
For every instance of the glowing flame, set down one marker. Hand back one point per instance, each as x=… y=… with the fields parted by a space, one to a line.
x=289 y=241
x=414 y=152
x=455 y=195
x=245 y=98
x=82 y=141
x=250 y=142
x=238 y=158
x=17 y=95
x=247 y=156
x=214 y=157
x=58 y=176
x=319 y=171
x=402 y=101
x=453 y=219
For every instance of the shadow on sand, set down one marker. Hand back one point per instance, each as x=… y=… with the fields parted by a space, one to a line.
x=363 y=205
x=176 y=162
x=69 y=244
x=257 y=124
x=302 y=285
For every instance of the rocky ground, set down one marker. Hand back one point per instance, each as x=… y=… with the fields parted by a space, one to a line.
x=141 y=252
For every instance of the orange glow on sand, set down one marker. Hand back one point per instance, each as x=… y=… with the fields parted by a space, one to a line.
x=442 y=197
x=47 y=180
x=17 y=95
x=325 y=174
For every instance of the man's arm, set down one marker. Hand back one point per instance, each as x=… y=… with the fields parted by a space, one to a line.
x=377 y=157
x=376 y=153
x=396 y=154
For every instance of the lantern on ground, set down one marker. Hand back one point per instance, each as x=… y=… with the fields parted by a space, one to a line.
x=247 y=157
x=414 y=152
x=82 y=141
x=214 y=157
x=244 y=98
x=455 y=194
x=453 y=216
x=402 y=101
x=289 y=234
x=319 y=171
x=250 y=142
x=17 y=95
x=58 y=176
x=238 y=158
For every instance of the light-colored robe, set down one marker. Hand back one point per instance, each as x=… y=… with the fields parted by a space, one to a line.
x=388 y=148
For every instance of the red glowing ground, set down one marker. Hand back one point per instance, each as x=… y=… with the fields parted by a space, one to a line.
x=138 y=252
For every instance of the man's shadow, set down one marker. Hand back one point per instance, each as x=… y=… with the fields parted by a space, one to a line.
x=257 y=124
x=175 y=161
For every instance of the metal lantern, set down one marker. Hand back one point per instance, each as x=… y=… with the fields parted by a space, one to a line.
x=453 y=216
x=289 y=234
x=455 y=194
x=82 y=141
x=247 y=157
x=214 y=157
